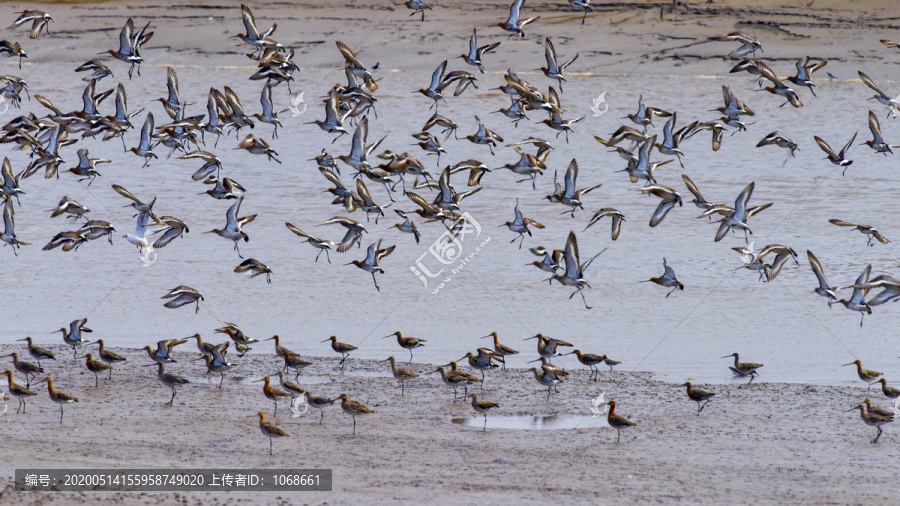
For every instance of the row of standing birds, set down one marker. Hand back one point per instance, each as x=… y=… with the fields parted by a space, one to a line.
x=215 y=357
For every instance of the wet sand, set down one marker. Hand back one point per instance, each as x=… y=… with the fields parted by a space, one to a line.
x=765 y=443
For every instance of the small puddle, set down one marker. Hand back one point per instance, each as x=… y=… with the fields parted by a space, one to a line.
x=535 y=422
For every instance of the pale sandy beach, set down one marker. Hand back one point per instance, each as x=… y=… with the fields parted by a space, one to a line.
x=782 y=440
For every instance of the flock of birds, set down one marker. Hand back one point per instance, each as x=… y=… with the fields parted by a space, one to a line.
x=347 y=109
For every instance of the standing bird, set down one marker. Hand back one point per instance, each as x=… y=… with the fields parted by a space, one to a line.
x=58 y=396
x=318 y=403
x=743 y=368
x=27 y=368
x=111 y=357
x=867 y=375
x=272 y=393
x=234 y=226
x=668 y=279
x=17 y=391
x=501 y=350
x=872 y=419
x=269 y=429
x=891 y=392
x=590 y=360
x=181 y=296
x=617 y=422
x=352 y=408
x=96 y=367
x=343 y=348
x=37 y=352
x=697 y=395
x=409 y=343
x=482 y=407
x=399 y=373
x=513 y=24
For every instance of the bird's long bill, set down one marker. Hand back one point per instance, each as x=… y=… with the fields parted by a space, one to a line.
x=261 y=379
x=325 y=341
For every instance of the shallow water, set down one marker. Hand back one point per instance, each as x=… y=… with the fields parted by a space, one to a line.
x=534 y=422
x=721 y=310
